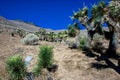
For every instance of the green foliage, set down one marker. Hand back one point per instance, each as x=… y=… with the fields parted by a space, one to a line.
x=82 y=43
x=45 y=59
x=0 y=78
x=98 y=10
x=41 y=33
x=72 y=31
x=15 y=67
x=45 y=56
x=52 y=36
x=30 y=39
x=62 y=36
x=76 y=25
x=36 y=70
x=81 y=13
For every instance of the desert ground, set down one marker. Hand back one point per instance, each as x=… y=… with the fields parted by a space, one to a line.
x=72 y=64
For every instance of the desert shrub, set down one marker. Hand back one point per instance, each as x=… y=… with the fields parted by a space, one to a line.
x=72 y=43
x=12 y=33
x=45 y=59
x=30 y=39
x=45 y=56
x=1 y=31
x=21 y=32
x=71 y=31
x=82 y=43
x=0 y=78
x=15 y=67
x=36 y=70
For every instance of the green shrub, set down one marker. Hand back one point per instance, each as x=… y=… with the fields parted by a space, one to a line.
x=15 y=67
x=72 y=31
x=30 y=39
x=82 y=43
x=36 y=70
x=45 y=56
x=45 y=59
x=0 y=78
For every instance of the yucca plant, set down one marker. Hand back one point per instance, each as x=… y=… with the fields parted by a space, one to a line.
x=52 y=36
x=82 y=43
x=45 y=56
x=45 y=59
x=0 y=78
x=37 y=70
x=15 y=67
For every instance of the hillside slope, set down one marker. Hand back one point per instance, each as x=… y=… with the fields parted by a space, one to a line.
x=72 y=64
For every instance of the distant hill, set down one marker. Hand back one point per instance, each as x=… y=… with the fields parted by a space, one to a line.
x=19 y=24
x=15 y=24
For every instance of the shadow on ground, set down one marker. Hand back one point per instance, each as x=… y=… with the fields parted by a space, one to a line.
x=103 y=57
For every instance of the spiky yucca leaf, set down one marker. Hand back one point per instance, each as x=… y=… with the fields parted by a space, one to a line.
x=98 y=10
x=81 y=13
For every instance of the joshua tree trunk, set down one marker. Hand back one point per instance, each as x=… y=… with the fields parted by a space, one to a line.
x=113 y=44
x=89 y=39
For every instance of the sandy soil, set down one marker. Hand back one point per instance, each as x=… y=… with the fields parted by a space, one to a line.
x=72 y=64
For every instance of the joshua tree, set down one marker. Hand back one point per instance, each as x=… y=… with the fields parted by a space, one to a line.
x=51 y=36
x=21 y=32
x=100 y=14
x=62 y=36
x=112 y=18
x=41 y=33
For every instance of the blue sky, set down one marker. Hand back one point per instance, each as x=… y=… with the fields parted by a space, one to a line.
x=52 y=14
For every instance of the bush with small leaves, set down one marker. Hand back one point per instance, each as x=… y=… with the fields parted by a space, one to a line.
x=15 y=67
x=30 y=39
